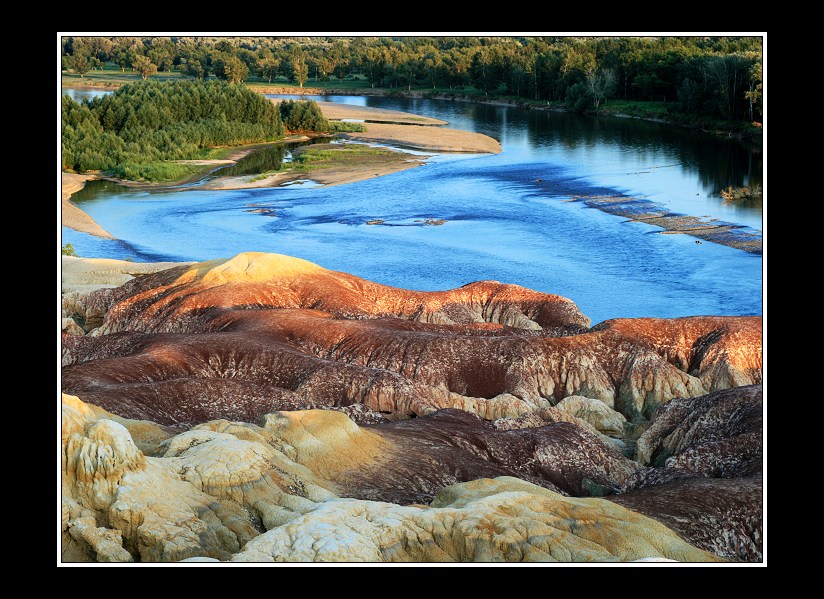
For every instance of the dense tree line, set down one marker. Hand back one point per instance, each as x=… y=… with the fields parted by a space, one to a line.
x=712 y=76
x=140 y=124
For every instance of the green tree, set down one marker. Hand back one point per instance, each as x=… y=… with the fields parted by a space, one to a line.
x=373 y=62
x=144 y=66
x=68 y=250
x=235 y=70
x=79 y=63
x=754 y=94
x=162 y=52
x=124 y=50
x=132 y=132
x=304 y=115
x=727 y=74
x=269 y=67
x=579 y=98
x=297 y=62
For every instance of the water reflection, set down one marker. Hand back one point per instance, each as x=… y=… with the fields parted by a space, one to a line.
x=78 y=95
x=259 y=161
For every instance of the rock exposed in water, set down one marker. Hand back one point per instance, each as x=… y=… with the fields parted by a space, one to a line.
x=288 y=333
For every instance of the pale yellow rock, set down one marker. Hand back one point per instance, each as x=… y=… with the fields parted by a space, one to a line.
x=248 y=267
x=220 y=484
x=503 y=519
x=202 y=560
x=159 y=516
x=595 y=412
x=201 y=498
x=241 y=471
x=326 y=441
x=107 y=544
x=147 y=436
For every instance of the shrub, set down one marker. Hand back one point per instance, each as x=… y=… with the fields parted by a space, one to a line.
x=341 y=127
x=303 y=115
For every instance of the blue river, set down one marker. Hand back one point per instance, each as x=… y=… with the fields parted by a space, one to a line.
x=508 y=216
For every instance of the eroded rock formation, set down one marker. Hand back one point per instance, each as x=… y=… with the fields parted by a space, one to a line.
x=241 y=492
x=487 y=520
x=325 y=338
x=716 y=435
x=264 y=408
x=706 y=483
x=451 y=446
x=721 y=515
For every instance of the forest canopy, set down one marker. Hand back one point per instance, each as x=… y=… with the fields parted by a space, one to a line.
x=717 y=77
x=129 y=131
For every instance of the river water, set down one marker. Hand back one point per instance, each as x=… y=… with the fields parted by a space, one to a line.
x=508 y=217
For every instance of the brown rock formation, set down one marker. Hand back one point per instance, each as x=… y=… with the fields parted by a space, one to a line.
x=707 y=483
x=423 y=455
x=718 y=435
x=720 y=515
x=286 y=333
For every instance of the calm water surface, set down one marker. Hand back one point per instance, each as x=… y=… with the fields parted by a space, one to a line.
x=507 y=215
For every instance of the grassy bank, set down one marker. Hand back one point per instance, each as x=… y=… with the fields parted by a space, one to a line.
x=309 y=158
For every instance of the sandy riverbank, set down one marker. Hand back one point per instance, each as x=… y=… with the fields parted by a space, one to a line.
x=72 y=216
x=428 y=139
x=338 y=112
x=404 y=129
x=395 y=128
x=337 y=173
x=398 y=128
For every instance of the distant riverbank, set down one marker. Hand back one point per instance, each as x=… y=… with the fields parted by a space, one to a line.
x=646 y=111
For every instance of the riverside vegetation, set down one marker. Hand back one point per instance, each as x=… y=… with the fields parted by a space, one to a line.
x=708 y=82
x=136 y=132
